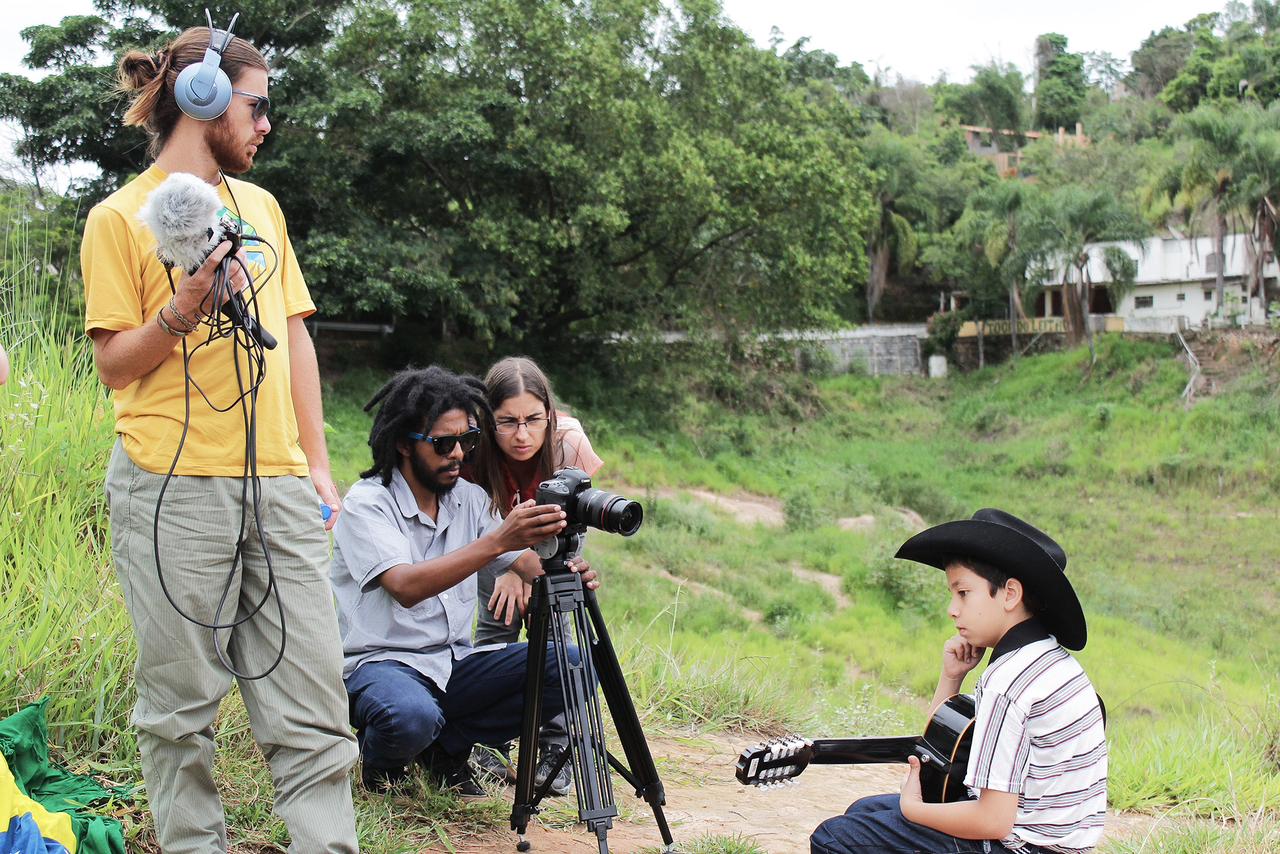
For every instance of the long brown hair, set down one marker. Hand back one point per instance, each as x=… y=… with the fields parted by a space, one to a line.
x=508 y=378
x=148 y=80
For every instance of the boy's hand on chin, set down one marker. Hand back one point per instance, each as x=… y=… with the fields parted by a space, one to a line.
x=959 y=657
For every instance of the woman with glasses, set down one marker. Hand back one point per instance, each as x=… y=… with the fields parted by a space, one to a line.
x=529 y=441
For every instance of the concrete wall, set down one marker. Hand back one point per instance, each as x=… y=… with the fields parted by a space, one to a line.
x=887 y=349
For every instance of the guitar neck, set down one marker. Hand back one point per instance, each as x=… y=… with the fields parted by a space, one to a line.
x=863 y=751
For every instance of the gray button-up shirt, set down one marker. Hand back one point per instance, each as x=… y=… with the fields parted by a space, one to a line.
x=381 y=527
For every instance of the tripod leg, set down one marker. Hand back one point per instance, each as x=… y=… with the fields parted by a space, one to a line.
x=535 y=672
x=625 y=719
x=583 y=720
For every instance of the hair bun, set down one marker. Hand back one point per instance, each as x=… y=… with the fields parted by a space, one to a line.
x=137 y=69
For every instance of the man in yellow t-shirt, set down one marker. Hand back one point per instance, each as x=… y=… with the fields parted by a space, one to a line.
x=233 y=536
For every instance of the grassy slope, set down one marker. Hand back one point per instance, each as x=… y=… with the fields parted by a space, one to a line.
x=1167 y=516
x=1166 y=513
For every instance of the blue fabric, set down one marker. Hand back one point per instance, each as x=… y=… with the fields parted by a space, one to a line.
x=398 y=712
x=23 y=836
x=875 y=825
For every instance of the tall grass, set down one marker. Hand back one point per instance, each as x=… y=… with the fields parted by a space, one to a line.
x=66 y=634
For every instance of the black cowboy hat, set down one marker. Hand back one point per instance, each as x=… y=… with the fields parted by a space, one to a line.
x=1019 y=550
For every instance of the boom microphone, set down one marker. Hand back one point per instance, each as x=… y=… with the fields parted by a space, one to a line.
x=182 y=213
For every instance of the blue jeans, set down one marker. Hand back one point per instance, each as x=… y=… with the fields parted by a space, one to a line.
x=875 y=825
x=398 y=712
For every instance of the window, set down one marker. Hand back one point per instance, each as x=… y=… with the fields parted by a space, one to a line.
x=1182 y=297
x=1208 y=296
x=1144 y=302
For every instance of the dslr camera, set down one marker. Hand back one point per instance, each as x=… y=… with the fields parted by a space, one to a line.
x=584 y=506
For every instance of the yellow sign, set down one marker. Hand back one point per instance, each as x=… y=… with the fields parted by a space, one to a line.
x=1030 y=326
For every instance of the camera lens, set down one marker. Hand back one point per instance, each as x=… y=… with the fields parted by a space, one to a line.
x=611 y=513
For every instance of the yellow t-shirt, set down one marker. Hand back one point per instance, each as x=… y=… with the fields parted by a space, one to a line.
x=125 y=285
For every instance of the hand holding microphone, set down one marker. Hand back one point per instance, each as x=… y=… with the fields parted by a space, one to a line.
x=195 y=293
x=182 y=213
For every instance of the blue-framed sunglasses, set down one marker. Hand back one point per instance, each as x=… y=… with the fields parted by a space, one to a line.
x=443 y=445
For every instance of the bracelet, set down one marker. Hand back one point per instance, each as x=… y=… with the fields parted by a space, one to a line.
x=180 y=317
x=167 y=328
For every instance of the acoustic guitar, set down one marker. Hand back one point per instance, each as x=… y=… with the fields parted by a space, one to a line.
x=943 y=751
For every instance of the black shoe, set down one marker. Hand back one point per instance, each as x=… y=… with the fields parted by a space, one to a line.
x=494 y=763
x=381 y=780
x=550 y=755
x=451 y=772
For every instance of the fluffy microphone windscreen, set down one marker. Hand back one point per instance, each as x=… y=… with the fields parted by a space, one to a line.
x=180 y=213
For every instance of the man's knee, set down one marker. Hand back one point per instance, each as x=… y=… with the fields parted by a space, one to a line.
x=821 y=840
x=401 y=725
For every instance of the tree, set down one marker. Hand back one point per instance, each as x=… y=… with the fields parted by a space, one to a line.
x=898 y=166
x=1104 y=70
x=1160 y=59
x=1254 y=190
x=541 y=173
x=1057 y=230
x=1203 y=179
x=1060 y=83
x=994 y=99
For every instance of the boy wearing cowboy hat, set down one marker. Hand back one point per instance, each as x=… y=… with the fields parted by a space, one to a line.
x=1038 y=764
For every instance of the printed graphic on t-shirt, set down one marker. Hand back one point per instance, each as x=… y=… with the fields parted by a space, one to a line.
x=255 y=251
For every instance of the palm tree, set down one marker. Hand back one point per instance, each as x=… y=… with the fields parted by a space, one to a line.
x=1058 y=228
x=1204 y=179
x=1255 y=187
x=897 y=166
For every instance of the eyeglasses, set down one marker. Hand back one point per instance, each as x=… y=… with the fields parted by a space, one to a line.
x=261 y=103
x=511 y=426
x=444 y=445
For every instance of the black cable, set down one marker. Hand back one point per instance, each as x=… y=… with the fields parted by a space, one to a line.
x=221 y=327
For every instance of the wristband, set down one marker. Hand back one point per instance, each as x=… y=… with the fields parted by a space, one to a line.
x=180 y=317
x=167 y=328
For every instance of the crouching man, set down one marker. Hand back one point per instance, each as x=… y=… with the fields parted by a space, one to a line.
x=412 y=537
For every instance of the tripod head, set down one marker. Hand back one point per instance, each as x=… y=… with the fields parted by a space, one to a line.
x=557 y=549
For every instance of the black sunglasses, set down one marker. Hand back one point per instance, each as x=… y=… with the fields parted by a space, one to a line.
x=261 y=103
x=443 y=445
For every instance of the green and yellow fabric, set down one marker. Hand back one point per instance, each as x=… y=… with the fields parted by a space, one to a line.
x=29 y=827
x=45 y=808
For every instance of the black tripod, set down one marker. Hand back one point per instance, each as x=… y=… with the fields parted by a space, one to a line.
x=560 y=592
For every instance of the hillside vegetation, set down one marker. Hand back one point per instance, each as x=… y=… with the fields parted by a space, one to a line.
x=1167 y=515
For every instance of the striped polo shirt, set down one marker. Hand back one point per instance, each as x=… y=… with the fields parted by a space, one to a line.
x=1038 y=731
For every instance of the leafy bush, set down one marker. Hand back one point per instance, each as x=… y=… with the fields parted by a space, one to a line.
x=908 y=585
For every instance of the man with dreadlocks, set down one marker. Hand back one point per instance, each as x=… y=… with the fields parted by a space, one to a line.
x=412 y=537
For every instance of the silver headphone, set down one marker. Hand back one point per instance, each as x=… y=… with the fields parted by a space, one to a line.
x=203 y=91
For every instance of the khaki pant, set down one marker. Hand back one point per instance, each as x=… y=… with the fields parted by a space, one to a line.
x=298 y=713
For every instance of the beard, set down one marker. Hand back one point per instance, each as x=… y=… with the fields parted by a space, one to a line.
x=228 y=152
x=433 y=479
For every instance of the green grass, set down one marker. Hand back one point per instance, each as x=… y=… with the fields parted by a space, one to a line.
x=714 y=844
x=1168 y=515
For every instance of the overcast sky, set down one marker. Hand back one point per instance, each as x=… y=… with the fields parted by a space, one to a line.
x=920 y=38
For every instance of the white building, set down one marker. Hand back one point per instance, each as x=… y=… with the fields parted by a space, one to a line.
x=1177 y=277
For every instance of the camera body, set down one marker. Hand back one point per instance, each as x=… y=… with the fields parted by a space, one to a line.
x=584 y=506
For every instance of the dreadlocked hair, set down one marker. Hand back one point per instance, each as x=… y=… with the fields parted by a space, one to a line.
x=412 y=401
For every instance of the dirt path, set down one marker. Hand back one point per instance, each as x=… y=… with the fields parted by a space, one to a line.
x=703 y=798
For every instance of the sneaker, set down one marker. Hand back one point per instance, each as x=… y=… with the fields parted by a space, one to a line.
x=494 y=763
x=551 y=754
x=449 y=772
